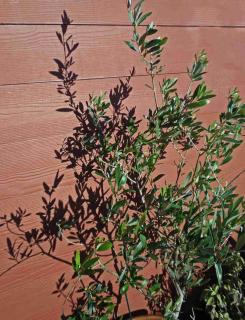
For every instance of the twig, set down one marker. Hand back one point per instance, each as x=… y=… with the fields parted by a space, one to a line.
x=19 y=262
x=236 y=177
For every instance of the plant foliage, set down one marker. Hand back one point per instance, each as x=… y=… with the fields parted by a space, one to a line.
x=124 y=216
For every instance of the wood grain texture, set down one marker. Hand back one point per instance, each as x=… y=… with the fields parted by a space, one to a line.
x=27 y=52
x=167 y=12
x=31 y=128
x=24 y=288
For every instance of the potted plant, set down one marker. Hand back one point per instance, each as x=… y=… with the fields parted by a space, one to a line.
x=124 y=217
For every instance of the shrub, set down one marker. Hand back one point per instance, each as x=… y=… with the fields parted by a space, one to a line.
x=226 y=301
x=124 y=216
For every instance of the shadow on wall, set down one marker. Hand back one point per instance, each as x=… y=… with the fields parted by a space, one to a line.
x=81 y=220
x=92 y=219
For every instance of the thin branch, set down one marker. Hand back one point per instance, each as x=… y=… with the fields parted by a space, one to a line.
x=19 y=262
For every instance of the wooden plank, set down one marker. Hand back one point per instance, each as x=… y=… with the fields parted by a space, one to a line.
x=27 y=52
x=27 y=112
x=31 y=129
x=28 y=294
x=167 y=12
x=26 y=291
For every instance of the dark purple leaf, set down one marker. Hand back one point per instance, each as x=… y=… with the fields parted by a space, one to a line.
x=59 y=63
x=64 y=109
x=57 y=74
x=59 y=36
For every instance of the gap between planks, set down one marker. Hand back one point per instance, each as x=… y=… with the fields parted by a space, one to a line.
x=88 y=79
x=122 y=25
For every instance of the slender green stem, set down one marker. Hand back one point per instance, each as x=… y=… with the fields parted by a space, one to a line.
x=154 y=89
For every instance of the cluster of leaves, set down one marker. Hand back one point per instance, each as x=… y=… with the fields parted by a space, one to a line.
x=123 y=216
x=226 y=301
x=40 y=240
x=149 y=47
x=98 y=302
x=183 y=227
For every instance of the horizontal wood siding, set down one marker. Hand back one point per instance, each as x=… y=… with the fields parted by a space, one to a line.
x=114 y=12
x=27 y=52
x=31 y=128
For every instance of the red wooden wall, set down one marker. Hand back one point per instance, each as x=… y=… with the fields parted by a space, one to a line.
x=30 y=127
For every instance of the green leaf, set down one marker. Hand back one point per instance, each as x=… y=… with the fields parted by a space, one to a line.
x=140 y=281
x=155 y=51
x=242 y=110
x=133 y=222
x=196 y=92
x=233 y=217
x=154 y=288
x=130 y=16
x=148 y=32
x=168 y=84
x=99 y=173
x=218 y=270
x=131 y=45
x=122 y=229
x=89 y=263
x=199 y=66
x=152 y=160
x=142 y=238
x=104 y=246
x=77 y=260
x=227 y=159
x=235 y=141
x=198 y=104
x=156 y=42
x=124 y=288
x=140 y=246
x=236 y=204
x=122 y=181
x=119 y=204
x=187 y=180
x=118 y=174
x=240 y=242
x=122 y=275
x=143 y=18
x=138 y=5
